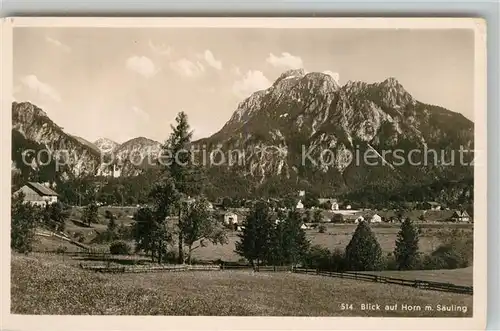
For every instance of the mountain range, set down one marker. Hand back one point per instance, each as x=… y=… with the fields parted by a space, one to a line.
x=304 y=132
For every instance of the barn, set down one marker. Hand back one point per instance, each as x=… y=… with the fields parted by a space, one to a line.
x=38 y=194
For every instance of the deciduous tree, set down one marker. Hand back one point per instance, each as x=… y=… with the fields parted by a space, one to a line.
x=90 y=214
x=199 y=226
x=24 y=219
x=150 y=233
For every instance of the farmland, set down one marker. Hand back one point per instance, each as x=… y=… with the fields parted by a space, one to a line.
x=338 y=236
x=335 y=236
x=44 y=284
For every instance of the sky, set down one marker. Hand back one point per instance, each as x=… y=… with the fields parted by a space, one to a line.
x=122 y=83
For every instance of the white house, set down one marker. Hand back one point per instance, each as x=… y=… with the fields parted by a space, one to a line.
x=300 y=205
x=304 y=226
x=230 y=218
x=460 y=216
x=359 y=219
x=375 y=219
x=334 y=205
x=302 y=193
x=38 y=194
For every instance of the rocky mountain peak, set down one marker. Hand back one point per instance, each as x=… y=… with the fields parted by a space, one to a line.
x=394 y=94
x=290 y=74
x=310 y=110
x=28 y=108
x=105 y=144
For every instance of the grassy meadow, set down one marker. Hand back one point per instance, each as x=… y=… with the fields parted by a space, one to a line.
x=337 y=236
x=46 y=284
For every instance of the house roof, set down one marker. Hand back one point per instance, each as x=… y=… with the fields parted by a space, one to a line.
x=461 y=213
x=41 y=189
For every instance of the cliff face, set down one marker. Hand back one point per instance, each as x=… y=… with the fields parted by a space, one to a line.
x=333 y=127
x=33 y=128
x=35 y=137
x=305 y=131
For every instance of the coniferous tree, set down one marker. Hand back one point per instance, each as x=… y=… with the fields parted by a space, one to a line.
x=406 y=250
x=255 y=239
x=289 y=244
x=179 y=165
x=363 y=251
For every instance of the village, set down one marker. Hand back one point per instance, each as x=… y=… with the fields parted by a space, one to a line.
x=327 y=210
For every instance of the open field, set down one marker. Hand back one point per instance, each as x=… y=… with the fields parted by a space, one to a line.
x=337 y=236
x=47 y=285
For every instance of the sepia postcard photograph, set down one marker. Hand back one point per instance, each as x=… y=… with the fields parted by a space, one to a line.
x=330 y=171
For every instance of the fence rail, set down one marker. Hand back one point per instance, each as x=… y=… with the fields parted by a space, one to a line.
x=421 y=284
x=106 y=266
x=259 y=268
x=139 y=268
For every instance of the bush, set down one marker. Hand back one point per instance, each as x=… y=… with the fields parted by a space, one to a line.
x=338 y=262
x=322 y=229
x=170 y=256
x=453 y=255
x=321 y=258
x=79 y=236
x=120 y=248
x=61 y=249
x=390 y=262
x=125 y=232
x=338 y=218
x=318 y=258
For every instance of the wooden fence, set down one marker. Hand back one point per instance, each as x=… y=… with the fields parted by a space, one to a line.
x=421 y=284
x=147 y=268
x=260 y=268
